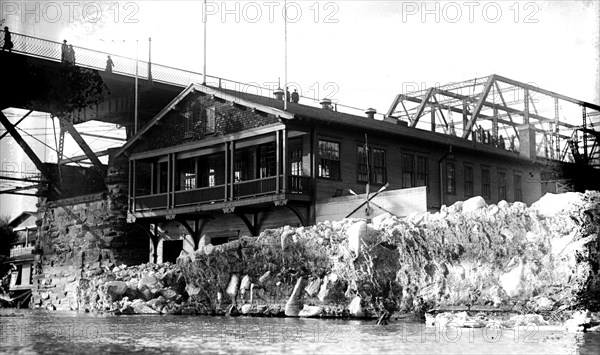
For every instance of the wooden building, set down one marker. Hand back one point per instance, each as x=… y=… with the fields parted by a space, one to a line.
x=222 y=163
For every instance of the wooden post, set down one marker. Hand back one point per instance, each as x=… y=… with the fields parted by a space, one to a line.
x=277 y=159
x=226 y=169
x=232 y=172
x=134 y=185
x=285 y=160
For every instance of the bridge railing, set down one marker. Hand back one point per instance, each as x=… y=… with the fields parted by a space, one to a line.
x=89 y=58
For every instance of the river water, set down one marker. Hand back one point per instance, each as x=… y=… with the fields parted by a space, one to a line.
x=36 y=332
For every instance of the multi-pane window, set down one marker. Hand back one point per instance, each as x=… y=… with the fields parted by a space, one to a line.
x=200 y=114
x=415 y=170
x=450 y=178
x=518 y=188
x=373 y=163
x=485 y=183
x=379 y=169
x=187 y=174
x=422 y=171
x=468 y=181
x=329 y=160
x=266 y=161
x=408 y=170
x=501 y=185
x=209 y=120
x=362 y=167
x=296 y=161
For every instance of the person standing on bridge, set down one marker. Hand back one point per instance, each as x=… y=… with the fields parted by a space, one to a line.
x=109 y=65
x=64 y=52
x=71 y=54
x=7 y=41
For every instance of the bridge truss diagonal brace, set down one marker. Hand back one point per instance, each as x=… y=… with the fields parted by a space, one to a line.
x=27 y=149
x=84 y=146
x=478 y=106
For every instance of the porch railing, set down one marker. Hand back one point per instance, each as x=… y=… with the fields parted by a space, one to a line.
x=241 y=190
x=201 y=195
x=151 y=202
x=18 y=251
x=255 y=187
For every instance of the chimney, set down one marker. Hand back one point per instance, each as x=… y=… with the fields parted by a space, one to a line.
x=371 y=113
x=527 y=141
x=326 y=104
x=278 y=94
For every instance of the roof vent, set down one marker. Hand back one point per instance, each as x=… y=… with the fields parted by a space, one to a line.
x=326 y=104
x=371 y=112
x=278 y=94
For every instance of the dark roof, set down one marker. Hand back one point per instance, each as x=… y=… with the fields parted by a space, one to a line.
x=365 y=124
x=320 y=115
x=16 y=222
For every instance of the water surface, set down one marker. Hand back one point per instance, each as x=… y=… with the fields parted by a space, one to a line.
x=36 y=332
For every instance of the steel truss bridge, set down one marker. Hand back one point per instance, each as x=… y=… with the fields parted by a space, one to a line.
x=490 y=109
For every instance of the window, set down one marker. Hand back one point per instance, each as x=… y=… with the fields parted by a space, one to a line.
x=190 y=122
x=212 y=170
x=209 y=120
x=422 y=171
x=518 y=188
x=415 y=170
x=200 y=114
x=266 y=161
x=362 y=167
x=468 y=181
x=485 y=183
x=379 y=170
x=374 y=163
x=187 y=174
x=450 y=179
x=408 y=170
x=501 y=185
x=329 y=160
x=296 y=161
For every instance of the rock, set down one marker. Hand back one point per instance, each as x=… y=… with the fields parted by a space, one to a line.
x=473 y=204
x=355 y=308
x=551 y=204
x=157 y=304
x=169 y=294
x=204 y=241
x=511 y=281
x=232 y=289
x=313 y=287
x=149 y=285
x=264 y=277
x=245 y=284
x=246 y=308
x=139 y=307
x=456 y=207
x=116 y=289
x=379 y=220
x=286 y=238
x=356 y=234
x=292 y=307
x=310 y=311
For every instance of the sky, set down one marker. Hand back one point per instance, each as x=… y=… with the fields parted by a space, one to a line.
x=358 y=53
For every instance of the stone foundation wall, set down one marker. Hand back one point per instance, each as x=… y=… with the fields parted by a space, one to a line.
x=81 y=236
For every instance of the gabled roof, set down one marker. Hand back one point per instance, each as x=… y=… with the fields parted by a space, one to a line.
x=303 y=112
x=23 y=220
x=222 y=94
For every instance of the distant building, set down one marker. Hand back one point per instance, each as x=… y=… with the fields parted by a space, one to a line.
x=21 y=252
